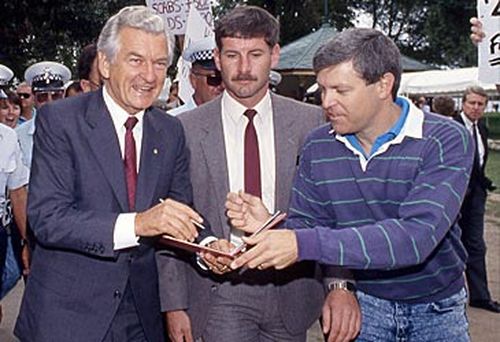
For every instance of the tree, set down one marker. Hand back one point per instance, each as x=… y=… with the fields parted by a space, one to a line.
x=298 y=17
x=37 y=30
x=435 y=32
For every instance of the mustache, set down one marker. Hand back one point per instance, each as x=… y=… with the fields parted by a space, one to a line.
x=244 y=77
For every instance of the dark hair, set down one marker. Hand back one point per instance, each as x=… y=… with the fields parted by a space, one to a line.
x=443 y=105
x=475 y=89
x=12 y=97
x=371 y=52
x=75 y=86
x=248 y=22
x=87 y=57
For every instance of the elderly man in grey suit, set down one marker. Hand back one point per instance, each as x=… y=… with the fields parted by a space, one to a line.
x=248 y=138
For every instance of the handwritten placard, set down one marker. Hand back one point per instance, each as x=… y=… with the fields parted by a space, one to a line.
x=175 y=12
x=489 y=48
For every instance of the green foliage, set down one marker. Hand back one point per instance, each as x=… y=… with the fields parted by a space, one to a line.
x=36 y=30
x=298 y=17
x=433 y=31
x=493 y=167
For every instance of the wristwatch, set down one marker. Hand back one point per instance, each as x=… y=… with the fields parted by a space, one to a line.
x=342 y=285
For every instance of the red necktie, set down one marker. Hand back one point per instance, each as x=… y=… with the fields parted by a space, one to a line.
x=130 y=161
x=252 y=161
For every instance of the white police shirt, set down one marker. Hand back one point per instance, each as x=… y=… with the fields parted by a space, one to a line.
x=13 y=173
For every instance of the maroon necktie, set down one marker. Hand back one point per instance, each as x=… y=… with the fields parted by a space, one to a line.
x=130 y=161
x=252 y=161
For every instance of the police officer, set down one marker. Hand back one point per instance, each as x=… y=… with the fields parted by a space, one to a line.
x=204 y=76
x=47 y=81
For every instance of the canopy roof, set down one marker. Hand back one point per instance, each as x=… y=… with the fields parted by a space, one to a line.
x=442 y=82
x=296 y=57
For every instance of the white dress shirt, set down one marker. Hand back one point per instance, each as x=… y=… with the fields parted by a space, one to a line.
x=469 y=125
x=234 y=124
x=124 y=230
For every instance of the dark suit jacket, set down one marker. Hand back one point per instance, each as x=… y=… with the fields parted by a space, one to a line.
x=478 y=176
x=77 y=190
x=184 y=285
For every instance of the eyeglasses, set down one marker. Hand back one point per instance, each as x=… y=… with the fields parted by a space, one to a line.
x=24 y=96
x=49 y=95
x=212 y=80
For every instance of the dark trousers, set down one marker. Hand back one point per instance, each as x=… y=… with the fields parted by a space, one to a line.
x=126 y=326
x=472 y=224
x=3 y=250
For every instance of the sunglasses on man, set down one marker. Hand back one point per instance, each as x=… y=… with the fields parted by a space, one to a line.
x=24 y=96
x=212 y=80
x=49 y=95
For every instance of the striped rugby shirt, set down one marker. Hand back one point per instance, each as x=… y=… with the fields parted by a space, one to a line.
x=390 y=217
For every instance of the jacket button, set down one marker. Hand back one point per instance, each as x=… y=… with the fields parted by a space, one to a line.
x=213 y=288
x=117 y=294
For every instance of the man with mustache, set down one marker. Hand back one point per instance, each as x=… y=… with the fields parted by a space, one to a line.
x=248 y=138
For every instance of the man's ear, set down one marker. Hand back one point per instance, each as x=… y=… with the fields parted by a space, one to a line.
x=275 y=55
x=103 y=65
x=217 y=58
x=385 y=85
x=85 y=85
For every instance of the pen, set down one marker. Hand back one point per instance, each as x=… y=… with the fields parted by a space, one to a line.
x=196 y=223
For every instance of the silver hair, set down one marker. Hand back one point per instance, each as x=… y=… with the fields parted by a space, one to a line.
x=138 y=17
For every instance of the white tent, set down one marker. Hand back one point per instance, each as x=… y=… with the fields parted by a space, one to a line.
x=437 y=82
x=442 y=82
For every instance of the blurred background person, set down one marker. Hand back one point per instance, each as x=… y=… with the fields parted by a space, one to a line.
x=73 y=88
x=444 y=105
x=422 y=104
x=87 y=70
x=173 y=100
x=11 y=110
x=473 y=207
x=28 y=110
x=204 y=76
x=46 y=80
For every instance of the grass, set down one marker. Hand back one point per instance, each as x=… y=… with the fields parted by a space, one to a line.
x=493 y=168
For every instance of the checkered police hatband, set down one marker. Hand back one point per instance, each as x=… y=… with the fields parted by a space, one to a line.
x=202 y=55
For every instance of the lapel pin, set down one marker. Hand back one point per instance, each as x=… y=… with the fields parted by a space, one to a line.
x=155 y=151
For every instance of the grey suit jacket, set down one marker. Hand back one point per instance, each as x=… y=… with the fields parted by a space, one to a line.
x=77 y=190
x=182 y=284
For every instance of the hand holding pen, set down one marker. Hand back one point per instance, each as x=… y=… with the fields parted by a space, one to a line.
x=168 y=217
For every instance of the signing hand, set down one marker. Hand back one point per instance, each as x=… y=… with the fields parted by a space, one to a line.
x=275 y=248
x=477 y=34
x=341 y=317
x=168 y=217
x=218 y=264
x=246 y=212
x=179 y=326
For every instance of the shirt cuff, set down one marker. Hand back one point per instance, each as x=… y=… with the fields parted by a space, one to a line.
x=308 y=244
x=124 y=232
x=205 y=242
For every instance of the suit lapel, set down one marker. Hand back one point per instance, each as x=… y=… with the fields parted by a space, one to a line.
x=152 y=153
x=104 y=144
x=214 y=152
x=286 y=156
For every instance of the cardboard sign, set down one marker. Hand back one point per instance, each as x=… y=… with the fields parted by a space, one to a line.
x=489 y=48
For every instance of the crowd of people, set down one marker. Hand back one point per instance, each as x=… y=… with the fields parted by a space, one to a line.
x=384 y=238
